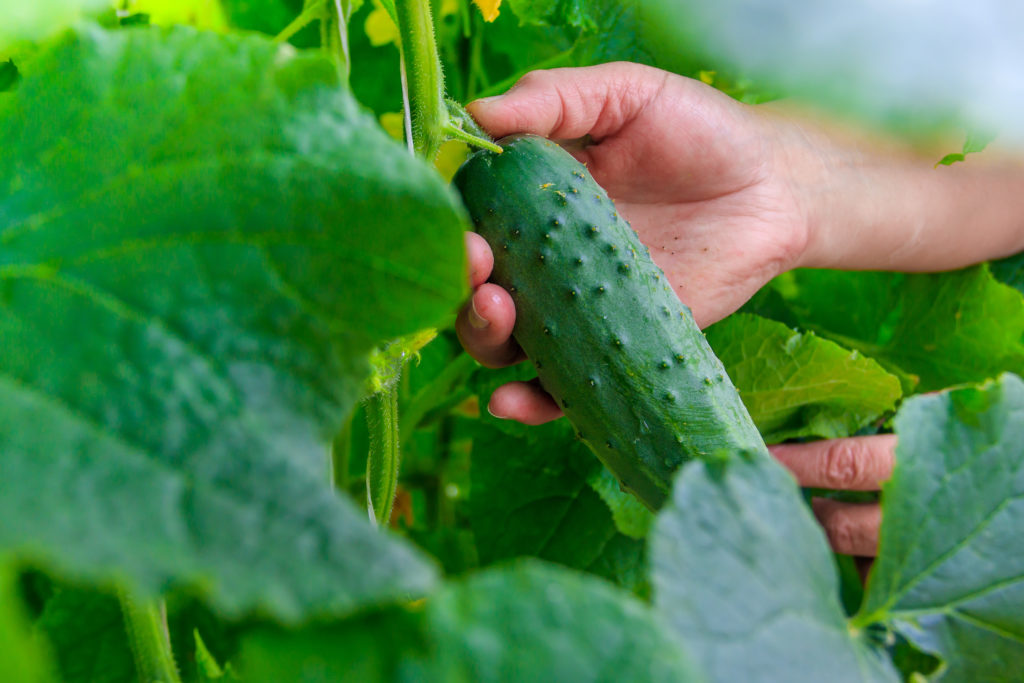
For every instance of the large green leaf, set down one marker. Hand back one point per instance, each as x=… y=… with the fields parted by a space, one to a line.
x=941 y=329
x=526 y=622
x=797 y=384
x=202 y=237
x=744 y=574
x=950 y=570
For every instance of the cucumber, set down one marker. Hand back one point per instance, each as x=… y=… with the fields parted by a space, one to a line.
x=610 y=339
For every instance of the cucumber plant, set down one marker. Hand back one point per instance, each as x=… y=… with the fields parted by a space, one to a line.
x=227 y=291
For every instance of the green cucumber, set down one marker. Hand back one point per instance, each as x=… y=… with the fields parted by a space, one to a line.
x=610 y=339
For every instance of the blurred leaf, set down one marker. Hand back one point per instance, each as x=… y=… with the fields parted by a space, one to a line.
x=976 y=142
x=526 y=622
x=939 y=329
x=186 y=311
x=744 y=575
x=950 y=568
x=204 y=14
x=40 y=19
x=8 y=75
x=23 y=657
x=798 y=385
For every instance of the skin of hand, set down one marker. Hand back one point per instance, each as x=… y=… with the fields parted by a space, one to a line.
x=727 y=196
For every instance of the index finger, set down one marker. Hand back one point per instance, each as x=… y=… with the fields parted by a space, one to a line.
x=571 y=102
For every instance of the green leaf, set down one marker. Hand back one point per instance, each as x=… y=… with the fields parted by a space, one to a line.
x=39 y=19
x=798 y=385
x=976 y=142
x=203 y=237
x=525 y=622
x=632 y=517
x=950 y=568
x=23 y=657
x=936 y=329
x=744 y=575
x=87 y=631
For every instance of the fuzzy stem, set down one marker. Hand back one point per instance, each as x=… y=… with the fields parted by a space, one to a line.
x=146 y=626
x=422 y=65
x=382 y=462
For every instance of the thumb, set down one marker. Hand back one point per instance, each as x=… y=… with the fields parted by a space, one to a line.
x=571 y=102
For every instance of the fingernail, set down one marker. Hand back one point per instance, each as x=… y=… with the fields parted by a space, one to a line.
x=493 y=414
x=483 y=101
x=476 y=320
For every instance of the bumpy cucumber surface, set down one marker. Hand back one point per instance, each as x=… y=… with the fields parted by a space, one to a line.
x=610 y=339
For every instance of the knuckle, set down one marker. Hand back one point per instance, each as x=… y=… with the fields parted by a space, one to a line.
x=841 y=466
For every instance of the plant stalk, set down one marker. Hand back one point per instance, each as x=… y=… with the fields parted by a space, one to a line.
x=150 y=640
x=425 y=106
x=382 y=463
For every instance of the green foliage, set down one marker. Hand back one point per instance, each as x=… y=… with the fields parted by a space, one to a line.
x=210 y=253
x=797 y=384
x=215 y=350
x=950 y=571
x=932 y=330
x=744 y=575
x=976 y=142
x=524 y=622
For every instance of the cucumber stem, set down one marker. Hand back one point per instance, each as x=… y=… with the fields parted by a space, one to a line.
x=146 y=626
x=382 y=463
x=425 y=109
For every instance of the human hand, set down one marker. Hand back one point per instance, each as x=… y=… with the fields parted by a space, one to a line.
x=858 y=463
x=698 y=175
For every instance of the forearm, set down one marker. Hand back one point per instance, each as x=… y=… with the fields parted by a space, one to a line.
x=872 y=206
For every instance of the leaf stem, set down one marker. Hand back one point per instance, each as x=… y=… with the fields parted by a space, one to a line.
x=425 y=106
x=312 y=12
x=150 y=640
x=383 y=460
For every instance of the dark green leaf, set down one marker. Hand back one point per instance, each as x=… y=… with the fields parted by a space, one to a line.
x=1010 y=271
x=744 y=575
x=937 y=329
x=950 y=570
x=203 y=238
x=532 y=498
x=797 y=385
x=526 y=622
x=87 y=631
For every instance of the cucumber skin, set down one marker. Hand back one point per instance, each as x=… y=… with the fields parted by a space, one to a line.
x=610 y=339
